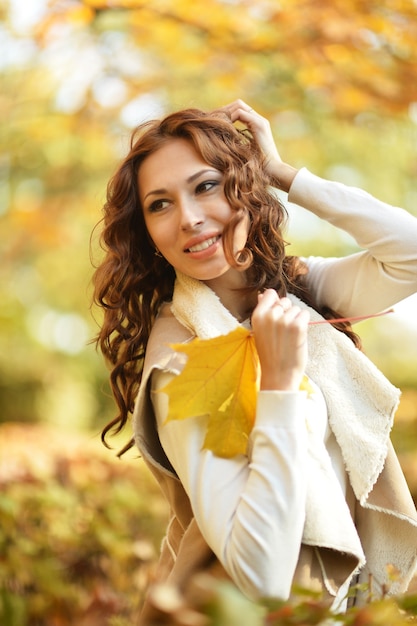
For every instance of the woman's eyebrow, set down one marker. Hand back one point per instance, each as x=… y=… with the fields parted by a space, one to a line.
x=199 y=173
x=192 y=178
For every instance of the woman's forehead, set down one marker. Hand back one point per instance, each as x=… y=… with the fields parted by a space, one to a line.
x=175 y=161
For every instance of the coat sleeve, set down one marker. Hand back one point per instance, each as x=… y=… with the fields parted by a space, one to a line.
x=380 y=275
x=250 y=509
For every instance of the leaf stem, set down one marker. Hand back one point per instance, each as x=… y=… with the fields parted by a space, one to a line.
x=350 y=319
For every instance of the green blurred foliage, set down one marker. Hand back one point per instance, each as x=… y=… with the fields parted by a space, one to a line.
x=337 y=80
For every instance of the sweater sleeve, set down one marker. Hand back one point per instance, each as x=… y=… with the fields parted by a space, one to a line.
x=379 y=276
x=250 y=510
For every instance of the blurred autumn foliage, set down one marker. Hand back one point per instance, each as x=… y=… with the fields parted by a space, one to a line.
x=344 y=56
x=79 y=530
x=79 y=535
x=337 y=79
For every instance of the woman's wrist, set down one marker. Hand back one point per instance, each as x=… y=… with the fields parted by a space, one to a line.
x=283 y=174
x=274 y=382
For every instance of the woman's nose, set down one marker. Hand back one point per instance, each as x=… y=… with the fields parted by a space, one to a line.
x=191 y=216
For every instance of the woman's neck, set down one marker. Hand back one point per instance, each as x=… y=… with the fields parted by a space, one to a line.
x=230 y=290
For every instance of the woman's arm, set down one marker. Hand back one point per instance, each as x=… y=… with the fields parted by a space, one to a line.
x=370 y=281
x=249 y=509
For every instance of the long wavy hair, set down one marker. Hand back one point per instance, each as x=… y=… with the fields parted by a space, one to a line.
x=132 y=281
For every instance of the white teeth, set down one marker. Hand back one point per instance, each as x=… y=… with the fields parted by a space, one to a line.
x=203 y=245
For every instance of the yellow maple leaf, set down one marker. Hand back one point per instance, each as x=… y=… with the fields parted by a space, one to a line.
x=220 y=380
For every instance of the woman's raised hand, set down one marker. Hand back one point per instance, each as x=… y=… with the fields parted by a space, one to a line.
x=280 y=332
x=258 y=125
x=261 y=130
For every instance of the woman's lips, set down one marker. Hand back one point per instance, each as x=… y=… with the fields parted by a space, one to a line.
x=203 y=245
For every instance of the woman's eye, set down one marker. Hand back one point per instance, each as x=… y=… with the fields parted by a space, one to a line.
x=158 y=205
x=207 y=186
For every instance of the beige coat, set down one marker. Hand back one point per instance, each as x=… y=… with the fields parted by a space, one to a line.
x=334 y=549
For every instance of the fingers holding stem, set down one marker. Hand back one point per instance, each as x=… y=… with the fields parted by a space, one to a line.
x=280 y=332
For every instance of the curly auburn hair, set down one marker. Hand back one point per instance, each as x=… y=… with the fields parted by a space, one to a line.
x=132 y=281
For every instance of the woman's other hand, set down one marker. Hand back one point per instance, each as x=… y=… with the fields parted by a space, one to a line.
x=280 y=331
x=261 y=130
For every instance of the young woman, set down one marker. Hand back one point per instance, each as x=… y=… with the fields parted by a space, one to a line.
x=194 y=249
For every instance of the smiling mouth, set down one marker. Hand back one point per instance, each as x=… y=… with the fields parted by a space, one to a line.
x=203 y=245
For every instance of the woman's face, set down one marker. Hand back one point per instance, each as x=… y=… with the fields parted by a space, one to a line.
x=185 y=210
